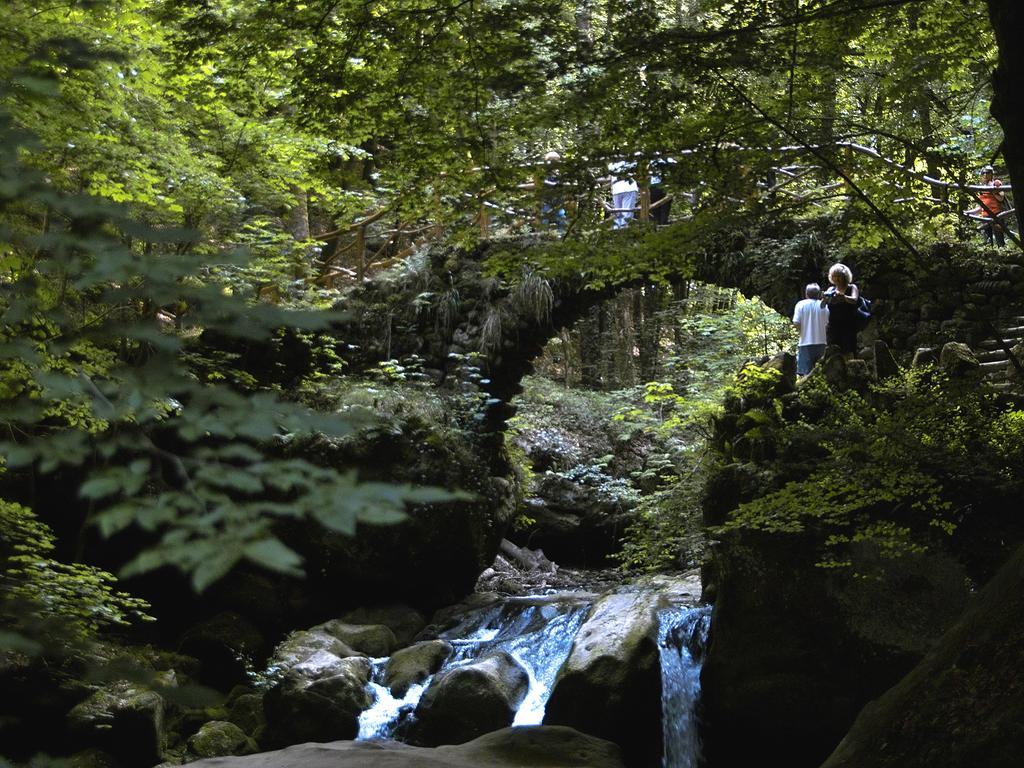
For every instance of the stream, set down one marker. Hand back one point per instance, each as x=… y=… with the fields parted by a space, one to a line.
x=539 y=633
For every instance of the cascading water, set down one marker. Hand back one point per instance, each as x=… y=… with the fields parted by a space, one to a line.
x=682 y=636
x=537 y=635
x=387 y=712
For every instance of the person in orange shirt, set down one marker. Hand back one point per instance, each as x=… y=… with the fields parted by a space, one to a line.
x=992 y=203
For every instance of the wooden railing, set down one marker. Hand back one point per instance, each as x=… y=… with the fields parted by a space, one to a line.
x=373 y=242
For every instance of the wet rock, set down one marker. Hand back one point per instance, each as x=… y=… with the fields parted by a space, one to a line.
x=610 y=686
x=468 y=701
x=304 y=644
x=319 y=699
x=218 y=738
x=123 y=719
x=548 y=746
x=404 y=621
x=374 y=640
x=411 y=666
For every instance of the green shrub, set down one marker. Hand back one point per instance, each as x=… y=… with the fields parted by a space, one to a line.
x=79 y=598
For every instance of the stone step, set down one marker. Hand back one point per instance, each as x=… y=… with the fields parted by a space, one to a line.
x=995 y=365
x=993 y=344
x=987 y=357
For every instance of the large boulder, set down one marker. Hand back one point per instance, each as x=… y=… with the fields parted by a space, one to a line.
x=795 y=651
x=578 y=519
x=551 y=747
x=405 y=622
x=374 y=640
x=123 y=719
x=963 y=705
x=465 y=702
x=306 y=643
x=218 y=738
x=319 y=699
x=610 y=686
x=958 y=360
x=411 y=666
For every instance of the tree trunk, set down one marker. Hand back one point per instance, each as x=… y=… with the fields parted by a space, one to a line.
x=1008 y=102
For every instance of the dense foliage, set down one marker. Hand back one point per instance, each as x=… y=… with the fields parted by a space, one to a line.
x=898 y=468
x=184 y=183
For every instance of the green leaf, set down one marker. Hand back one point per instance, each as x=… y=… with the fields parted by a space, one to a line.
x=271 y=553
x=99 y=487
x=214 y=567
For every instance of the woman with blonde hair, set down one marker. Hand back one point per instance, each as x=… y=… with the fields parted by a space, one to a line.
x=841 y=300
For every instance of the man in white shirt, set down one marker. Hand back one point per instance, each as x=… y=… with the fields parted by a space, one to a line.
x=811 y=319
x=624 y=192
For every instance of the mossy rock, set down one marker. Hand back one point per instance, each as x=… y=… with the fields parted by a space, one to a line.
x=218 y=738
x=411 y=666
x=374 y=640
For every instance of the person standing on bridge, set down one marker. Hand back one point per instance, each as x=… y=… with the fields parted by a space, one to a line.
x=624 y=193
x=552 y=201
x=991 y=204
x=842 y=300
x=810 y=318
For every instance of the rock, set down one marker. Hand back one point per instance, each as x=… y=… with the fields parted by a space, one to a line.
x=841 y=373
x=958 y=360
x=548 y=746
x=578 y=521
x=795 y=651
x=304 y=644
x=550 y=448
x=411 y=666
x=404 y=621
x=246 y=711
x=218 y=738
x=224 y=644
x=924 y=356
x=1018 y=353
x=784 y=363
x=374 y=640
x=468 y=701
x=610 y=686
x=92 y=758
x=123 y=719
x=885 y=364
x=319 y=699
x=963 y=705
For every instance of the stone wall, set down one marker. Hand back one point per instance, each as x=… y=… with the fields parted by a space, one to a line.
x=958 y=299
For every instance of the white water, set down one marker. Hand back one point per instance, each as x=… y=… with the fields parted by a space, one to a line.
x=387 y=712
x=539 y=637
x=682 y=636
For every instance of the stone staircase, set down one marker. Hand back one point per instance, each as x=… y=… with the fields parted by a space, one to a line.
x=996 y=368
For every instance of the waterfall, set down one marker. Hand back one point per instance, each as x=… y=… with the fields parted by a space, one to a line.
x=538 y=635
x=681 y=639
x=387 y=712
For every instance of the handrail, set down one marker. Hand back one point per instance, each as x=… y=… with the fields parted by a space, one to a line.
x=567 y=194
